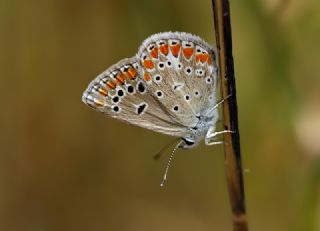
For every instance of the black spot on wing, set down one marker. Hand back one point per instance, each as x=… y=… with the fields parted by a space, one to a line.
x=141 y=87
x=141 y=108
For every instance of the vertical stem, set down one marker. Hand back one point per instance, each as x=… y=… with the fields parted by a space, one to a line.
x=221 y=12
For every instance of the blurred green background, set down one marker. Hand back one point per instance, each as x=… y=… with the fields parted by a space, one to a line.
x=65 y=167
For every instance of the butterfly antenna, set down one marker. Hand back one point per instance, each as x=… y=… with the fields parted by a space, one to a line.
x=169 y=164
x=159 y=154
x=220 y=102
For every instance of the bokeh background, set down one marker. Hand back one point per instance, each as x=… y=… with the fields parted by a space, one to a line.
x=64 y=166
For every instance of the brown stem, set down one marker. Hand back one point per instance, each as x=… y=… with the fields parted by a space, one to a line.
x=221 y=12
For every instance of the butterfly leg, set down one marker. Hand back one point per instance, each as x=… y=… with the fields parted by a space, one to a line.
x=211 y=134
x=214 y=142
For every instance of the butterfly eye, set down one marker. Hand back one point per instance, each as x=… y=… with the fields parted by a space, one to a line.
x=188 y=142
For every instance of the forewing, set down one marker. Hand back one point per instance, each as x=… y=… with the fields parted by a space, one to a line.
x=122 y=93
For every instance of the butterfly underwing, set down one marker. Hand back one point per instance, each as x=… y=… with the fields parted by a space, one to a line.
x=169 y=86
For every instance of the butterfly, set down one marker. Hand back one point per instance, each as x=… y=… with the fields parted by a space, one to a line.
x=169 y=86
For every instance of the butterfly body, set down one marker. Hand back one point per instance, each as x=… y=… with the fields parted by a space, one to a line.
x=169 y=86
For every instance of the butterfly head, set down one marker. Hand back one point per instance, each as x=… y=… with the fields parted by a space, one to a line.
x=188 y=142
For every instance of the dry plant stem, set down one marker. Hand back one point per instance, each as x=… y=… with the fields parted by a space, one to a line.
x=221 y=12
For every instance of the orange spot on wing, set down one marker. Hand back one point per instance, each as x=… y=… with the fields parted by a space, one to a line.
x=154 y=53
x=120 y=78
x=103 y=91
x=197 y=58
x=148 y=64
x=209 y=61
x=132 y=73
x=202 y=58
x=175 y=50
x=164 y=49
x=146 y=77
x=188 y=52
x=99 y=102
x=111 y=84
